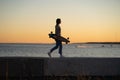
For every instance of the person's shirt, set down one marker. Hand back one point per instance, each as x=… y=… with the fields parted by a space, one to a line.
x=57 y=30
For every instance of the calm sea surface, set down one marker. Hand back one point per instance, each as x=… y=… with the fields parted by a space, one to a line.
x=69 y=50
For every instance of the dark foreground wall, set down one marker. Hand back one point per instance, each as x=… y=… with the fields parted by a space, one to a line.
x=30 y=67
x=82 y=66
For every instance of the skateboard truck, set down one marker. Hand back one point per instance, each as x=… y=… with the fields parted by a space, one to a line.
x=51 y=32
x=67 y=39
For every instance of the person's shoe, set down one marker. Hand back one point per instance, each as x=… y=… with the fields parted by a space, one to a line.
x=49 y=54
x=61 y=56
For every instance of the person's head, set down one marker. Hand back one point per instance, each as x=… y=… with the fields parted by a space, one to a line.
x=58 y=21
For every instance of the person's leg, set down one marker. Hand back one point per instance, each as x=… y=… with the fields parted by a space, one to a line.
x=60 y=48
x=54 y=48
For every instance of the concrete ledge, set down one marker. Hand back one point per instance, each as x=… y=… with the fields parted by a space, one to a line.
x=36 y=66
x=83 y=66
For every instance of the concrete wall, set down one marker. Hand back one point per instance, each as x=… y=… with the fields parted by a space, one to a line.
x=35 y=67
x=82 y=66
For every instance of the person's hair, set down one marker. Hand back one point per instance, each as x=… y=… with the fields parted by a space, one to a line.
x=58 y=20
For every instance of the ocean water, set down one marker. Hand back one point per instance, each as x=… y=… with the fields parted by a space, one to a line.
x=69 y=50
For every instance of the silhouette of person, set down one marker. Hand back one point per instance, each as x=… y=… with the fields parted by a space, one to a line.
x=58 y=42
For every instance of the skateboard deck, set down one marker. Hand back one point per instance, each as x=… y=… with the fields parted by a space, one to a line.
x=66 y=40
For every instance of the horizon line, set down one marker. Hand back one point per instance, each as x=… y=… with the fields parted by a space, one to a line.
x=63 y=43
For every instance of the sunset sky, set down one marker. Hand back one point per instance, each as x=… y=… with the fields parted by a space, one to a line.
x=30 y=21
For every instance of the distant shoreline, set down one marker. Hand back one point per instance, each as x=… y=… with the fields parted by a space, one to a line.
x=70 y=43
x=103 y=42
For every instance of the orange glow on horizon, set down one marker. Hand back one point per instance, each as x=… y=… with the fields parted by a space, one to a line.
x=30 y=21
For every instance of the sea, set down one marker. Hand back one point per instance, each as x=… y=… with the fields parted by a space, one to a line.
x=69 y=50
